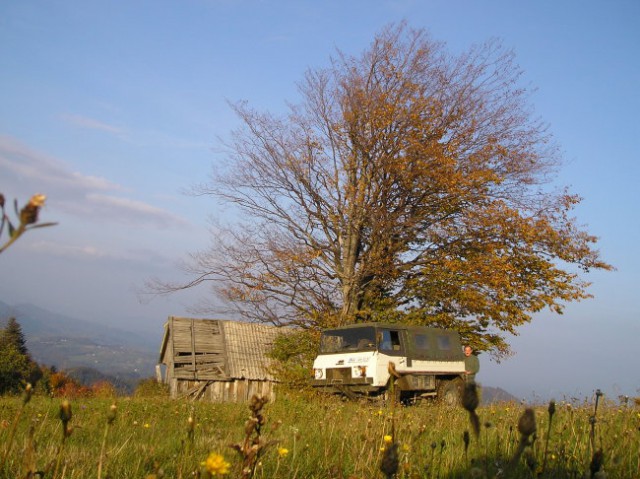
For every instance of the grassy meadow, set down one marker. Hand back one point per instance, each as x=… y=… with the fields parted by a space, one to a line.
x=303 y=435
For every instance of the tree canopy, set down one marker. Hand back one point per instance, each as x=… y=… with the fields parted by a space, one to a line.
x=408 y=184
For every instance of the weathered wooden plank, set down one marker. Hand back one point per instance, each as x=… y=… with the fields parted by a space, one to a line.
x=199 y=358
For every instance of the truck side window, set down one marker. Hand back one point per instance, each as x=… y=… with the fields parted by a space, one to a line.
x=444 y=343
x=421 y=342
x=390 y=340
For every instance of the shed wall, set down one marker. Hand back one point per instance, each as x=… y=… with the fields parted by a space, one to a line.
x=217 y=360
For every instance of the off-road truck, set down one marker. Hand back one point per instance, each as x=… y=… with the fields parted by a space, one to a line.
x=354 y=360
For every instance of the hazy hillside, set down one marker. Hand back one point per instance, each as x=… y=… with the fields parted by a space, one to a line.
x=69 y=343
x=94 y=351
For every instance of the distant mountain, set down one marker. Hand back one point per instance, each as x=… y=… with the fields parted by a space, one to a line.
x=37 y=321
x=69 y=343
x=491 y=395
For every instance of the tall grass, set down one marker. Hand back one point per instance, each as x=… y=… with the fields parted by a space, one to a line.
x=308 y=436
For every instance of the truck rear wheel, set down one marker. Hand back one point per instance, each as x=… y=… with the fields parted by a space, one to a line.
x=449 y=391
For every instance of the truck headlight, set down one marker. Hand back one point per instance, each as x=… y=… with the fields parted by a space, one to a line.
x=317 y=373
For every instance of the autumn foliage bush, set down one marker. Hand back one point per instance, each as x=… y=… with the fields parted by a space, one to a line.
x=62 y=385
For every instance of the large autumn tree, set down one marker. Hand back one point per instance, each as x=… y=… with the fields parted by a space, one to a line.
x=408 y=184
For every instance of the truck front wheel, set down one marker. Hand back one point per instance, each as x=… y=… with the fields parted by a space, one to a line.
x=449 y=391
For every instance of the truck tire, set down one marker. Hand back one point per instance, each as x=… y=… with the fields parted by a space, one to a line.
x=449 y=391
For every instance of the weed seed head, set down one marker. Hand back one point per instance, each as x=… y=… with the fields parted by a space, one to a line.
x=111 y=417
x=28 y=392
x=65 y=417
x=29 y=214
x=527 y=423
x=551 y=409
x=257 y=403
x=65 y=412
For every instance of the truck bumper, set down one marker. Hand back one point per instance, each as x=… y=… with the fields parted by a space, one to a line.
x=357 y=386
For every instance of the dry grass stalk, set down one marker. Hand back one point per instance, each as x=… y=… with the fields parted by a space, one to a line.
x=470 y=401
x=111 y=417
x=65 y=417
x=254 y=445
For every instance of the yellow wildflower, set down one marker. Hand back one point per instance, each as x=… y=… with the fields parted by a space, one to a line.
x=283 y=451
x=388 y=439
x=215 y=464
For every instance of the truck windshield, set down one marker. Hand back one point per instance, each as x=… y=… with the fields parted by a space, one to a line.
x=352 y=339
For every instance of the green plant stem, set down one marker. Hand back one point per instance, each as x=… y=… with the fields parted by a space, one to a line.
x=102 y=448
x=59 y=455
x=546 y=448
x=12 y=433
x=16 y=234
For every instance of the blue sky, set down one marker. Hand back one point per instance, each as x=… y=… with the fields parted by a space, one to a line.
x=114 y=109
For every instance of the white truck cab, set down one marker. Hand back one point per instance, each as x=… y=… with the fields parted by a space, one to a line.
x=355 y=360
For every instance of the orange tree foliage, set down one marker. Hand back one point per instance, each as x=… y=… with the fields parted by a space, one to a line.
x=408 y=184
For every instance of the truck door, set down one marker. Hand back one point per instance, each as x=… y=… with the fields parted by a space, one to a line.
x=393 y=342
x=390 y=342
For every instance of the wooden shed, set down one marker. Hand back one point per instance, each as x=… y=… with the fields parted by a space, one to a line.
x=218 y=360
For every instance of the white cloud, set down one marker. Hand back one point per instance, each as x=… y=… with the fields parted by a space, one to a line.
x=130 y=211
x=91 y=124
x=25 y=171
x=140 y=138
x=21 y=164
x=82 y=249
x=65 y=250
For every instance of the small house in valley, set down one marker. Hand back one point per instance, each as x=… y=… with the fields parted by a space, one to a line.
x=217 y=360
